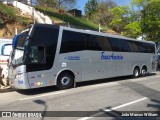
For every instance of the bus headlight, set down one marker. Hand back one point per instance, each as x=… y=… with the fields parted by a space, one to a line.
x=19 y=75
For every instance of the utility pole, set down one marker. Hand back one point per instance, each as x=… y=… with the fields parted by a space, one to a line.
x=100 y=28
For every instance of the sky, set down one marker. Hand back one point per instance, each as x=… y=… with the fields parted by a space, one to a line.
x=81 y=3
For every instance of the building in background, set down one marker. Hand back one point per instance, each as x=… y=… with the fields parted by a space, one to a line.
x=75 y=12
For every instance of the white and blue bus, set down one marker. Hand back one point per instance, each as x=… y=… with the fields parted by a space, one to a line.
x=45 y=55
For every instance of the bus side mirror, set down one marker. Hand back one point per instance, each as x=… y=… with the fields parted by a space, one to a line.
x=6 y=49
x=15 y=40
x=18 y=38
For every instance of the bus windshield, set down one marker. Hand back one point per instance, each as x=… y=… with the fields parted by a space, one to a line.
x=18 y=52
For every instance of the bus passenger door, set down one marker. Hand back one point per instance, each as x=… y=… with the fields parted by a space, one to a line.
x=37 y=66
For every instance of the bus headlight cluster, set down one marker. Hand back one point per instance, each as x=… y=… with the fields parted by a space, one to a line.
x=18 y=75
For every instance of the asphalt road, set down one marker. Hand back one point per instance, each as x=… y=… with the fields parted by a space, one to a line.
x=107 y=99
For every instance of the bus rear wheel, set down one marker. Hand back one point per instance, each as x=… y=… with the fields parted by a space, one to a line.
x=143 y=71
x=65 y=81
x=136 y=72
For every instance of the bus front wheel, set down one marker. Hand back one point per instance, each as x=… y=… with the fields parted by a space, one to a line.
x=136 y=72
x=65 y=81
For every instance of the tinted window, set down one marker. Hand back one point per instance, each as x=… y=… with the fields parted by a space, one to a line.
x=44 y=36
x=130 y=43
x=135 y=46
x=72 y=41
x=116 y=44
x=92 y=42
x=140 y=47
x=125 y=46
x=75 y=41
x=104 y=43
x=43 y=46
x=143 y=47
x=150 y=48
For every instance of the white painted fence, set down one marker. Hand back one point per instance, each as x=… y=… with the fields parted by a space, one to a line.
x=25 y=9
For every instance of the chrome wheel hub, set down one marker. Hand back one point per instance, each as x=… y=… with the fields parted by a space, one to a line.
x=136 y=73
x=65 y=80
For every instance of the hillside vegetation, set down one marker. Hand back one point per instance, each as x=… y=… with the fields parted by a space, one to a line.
x=10 y=14
x=125 y=20
x=68 y=19
x=11 y=18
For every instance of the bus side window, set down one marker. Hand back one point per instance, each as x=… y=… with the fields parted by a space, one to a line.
x=141 y=47
x=131 y=46
x=92 y=42
x=125 y=46
x=116 y=44
x=104 y=43
x=135 y=47
x=150 y=48
x=72 y=41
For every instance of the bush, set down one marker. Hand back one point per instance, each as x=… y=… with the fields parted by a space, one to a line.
x=22 y=20
x=8 y=13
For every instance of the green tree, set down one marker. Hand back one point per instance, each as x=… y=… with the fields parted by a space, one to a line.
x=149 y=18
x=132 y=30
x=103 y=15
x=90 y=7
x=120 y=18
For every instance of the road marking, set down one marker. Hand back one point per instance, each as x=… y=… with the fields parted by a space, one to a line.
x=117 y=107
x=55 y=93
x=85 y=118
x=105 y=84
x=124 y=105
x=67 y=105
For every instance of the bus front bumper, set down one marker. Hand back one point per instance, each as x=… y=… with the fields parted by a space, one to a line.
x=20 y=81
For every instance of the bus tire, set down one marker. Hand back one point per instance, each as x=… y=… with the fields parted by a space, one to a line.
x=143 y=71
x=136 y=72
x=65 y=81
